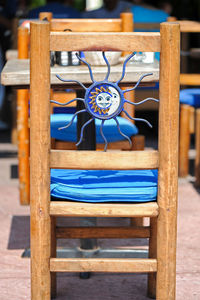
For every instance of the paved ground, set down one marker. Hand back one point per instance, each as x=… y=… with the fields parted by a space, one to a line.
x=14 y=237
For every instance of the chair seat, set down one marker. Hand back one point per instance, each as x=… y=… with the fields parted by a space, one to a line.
x=110 y=128
x=98 y=186
x=190 y=97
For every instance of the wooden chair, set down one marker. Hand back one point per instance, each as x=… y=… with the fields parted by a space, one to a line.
x=188 y=113
x=161 y=264
x=125 y=23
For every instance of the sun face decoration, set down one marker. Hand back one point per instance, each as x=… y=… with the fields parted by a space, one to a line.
x=104 y=99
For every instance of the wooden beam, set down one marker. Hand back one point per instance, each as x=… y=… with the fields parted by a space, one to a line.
x=78 y=209
x=114 y=265
x=86 y=25
x=168 y=160
x=189 y=26
x=102 y=232
x=39 y=162
x=96 y=160
x=109 y=41
x=147 y=26
x=189 y=79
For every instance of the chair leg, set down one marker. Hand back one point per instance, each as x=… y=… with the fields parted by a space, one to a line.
x=184 y=140
x=166 y=254
x=192 y=120
x=53 y=254
x=152 y=254
x=53 y=143
x=197 y=146
x=40 y=255
x=23 y=146
x=138 y=142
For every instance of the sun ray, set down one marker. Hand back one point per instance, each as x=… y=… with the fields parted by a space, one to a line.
x=138 y=82
x=66 y=103
x=74 y=116
x=103 y=136
x=87 y=64
x=124 y=67
x=143 y=101
x=138 y=119
x=124 y=135
x=108 y=65
x=82 y=130
x=71 y=80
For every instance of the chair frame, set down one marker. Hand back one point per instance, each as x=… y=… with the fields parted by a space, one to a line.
x=124 y=24
x=189 y=116
x=163 y=213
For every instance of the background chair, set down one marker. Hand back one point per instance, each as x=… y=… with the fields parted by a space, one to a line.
x=189 y=100
x=162 y=251
x=125 y=23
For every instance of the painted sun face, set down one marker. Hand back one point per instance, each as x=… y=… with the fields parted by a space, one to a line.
x=104 y=101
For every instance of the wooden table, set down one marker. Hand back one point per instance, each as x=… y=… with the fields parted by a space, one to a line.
x=16 y=73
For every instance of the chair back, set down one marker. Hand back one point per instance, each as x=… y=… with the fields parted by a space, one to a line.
x=42 y=158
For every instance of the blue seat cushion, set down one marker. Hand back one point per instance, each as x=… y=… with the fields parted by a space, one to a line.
x=110 y=128
x=98 y=186
x=190 y=97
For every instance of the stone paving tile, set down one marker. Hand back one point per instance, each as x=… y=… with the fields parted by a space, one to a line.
x=15 y=271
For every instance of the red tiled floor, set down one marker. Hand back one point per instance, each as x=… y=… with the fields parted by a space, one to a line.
x=15 y=271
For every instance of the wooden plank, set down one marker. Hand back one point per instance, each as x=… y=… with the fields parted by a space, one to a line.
x=189 y=26
x=186 y=25
x=47 y=16
x=73 y=209
x=121 y=41
x=102 y=232
x=123 y=145
x=102 y=265
x=168 y=160
x=16 y=73
x=22 y=124
x=96 y=160
x=184 y=137
x=86 y=25
x=127 y=25
x=53 y=254
x=197 y=147
x=152 y=254
x=147 y=26
x=39 y=162
x=189 y=79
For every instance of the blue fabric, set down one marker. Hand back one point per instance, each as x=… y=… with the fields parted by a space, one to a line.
x=104 y=185
x=107 y=14
x=155 y=87
x=190 y=97
x=59 y=11
x=148 y=15
x=110 y=128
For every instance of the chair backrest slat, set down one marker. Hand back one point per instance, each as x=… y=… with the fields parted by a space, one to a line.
x=96 y=160
x=121 y=41
x=85 y=25
x=189 y=26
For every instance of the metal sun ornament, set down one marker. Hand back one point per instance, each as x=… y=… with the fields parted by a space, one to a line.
x=105 y=100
